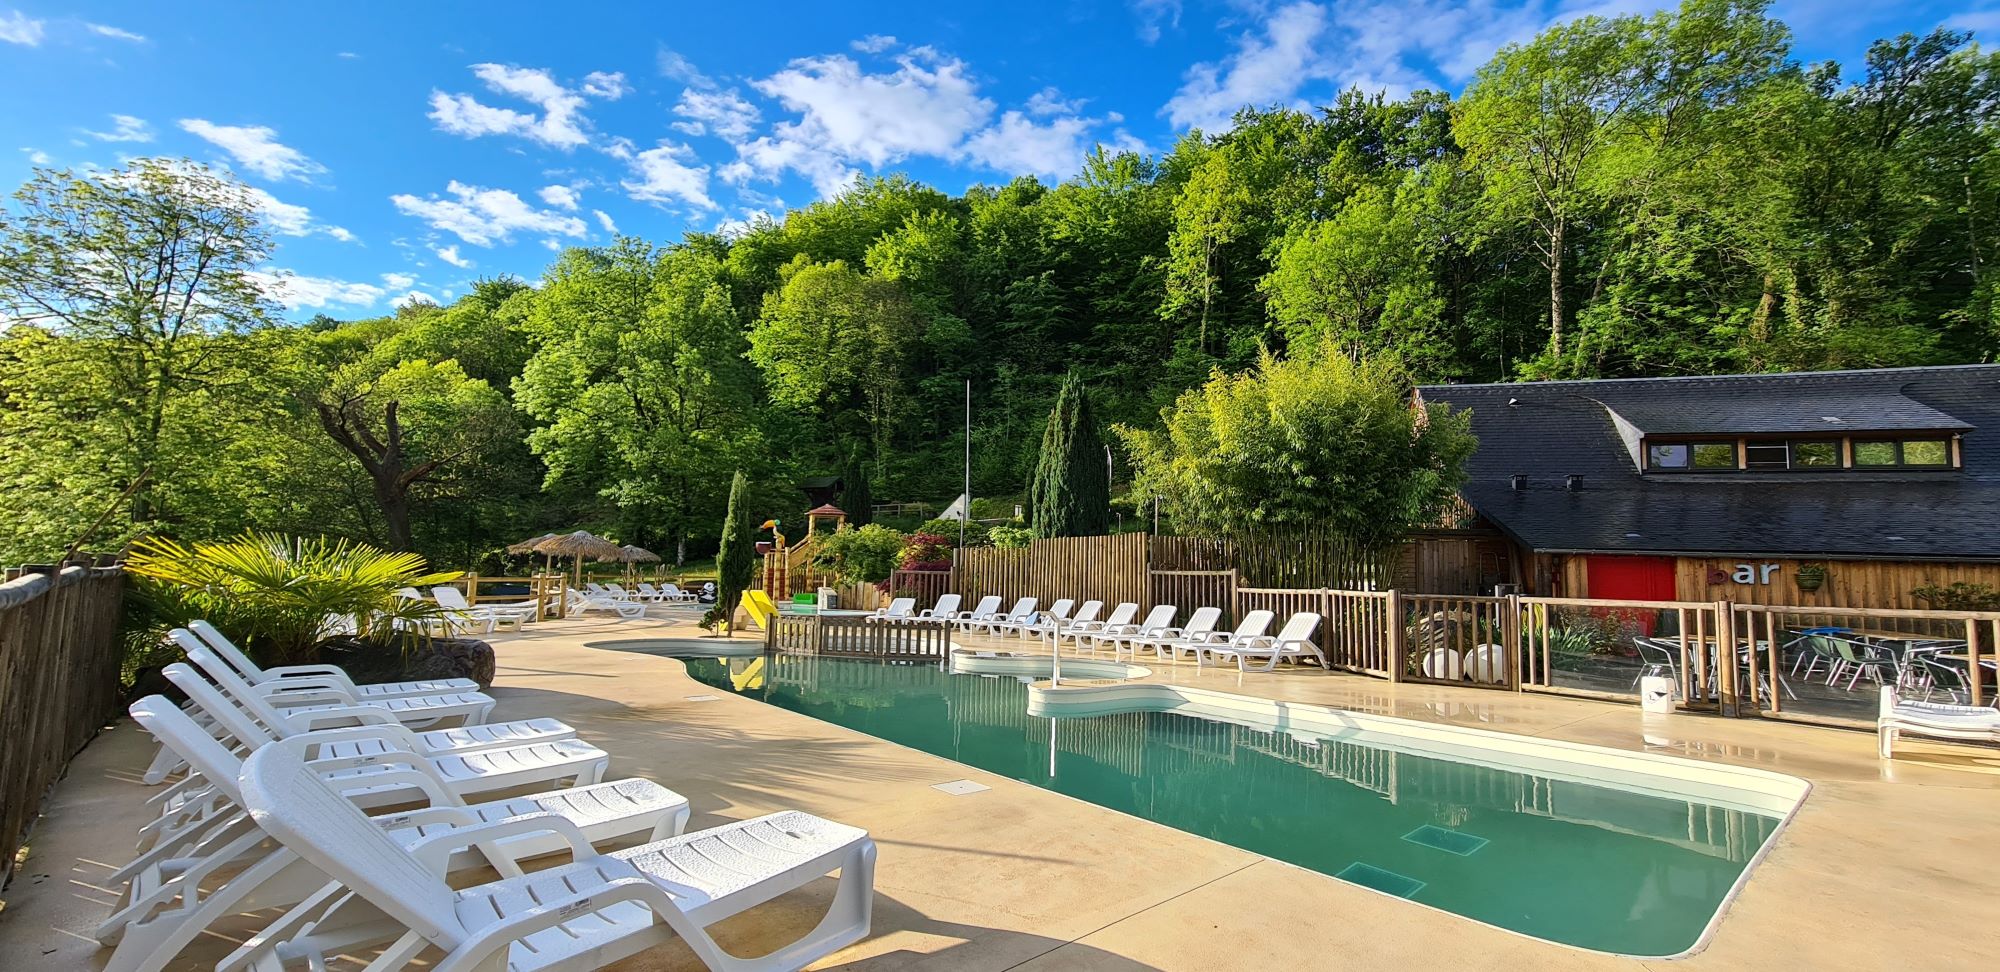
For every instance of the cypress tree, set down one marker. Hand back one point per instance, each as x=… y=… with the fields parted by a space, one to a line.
x=1070 y=495
x=855 y=496
x=735 y=565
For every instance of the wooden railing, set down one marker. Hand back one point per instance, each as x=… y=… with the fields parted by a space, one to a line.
x=545 y=590
x=924 y=585
x=60 y=654
x=846 y=634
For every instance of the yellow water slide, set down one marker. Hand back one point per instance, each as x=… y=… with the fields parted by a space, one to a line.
x=758 y=607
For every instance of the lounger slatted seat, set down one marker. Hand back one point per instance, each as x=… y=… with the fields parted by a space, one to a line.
x=593 y=911
x=1938 y=720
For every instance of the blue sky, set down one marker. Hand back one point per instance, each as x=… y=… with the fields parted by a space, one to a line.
x=411 y=148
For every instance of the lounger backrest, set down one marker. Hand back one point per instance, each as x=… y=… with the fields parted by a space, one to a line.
x=648 y=589
x=292 y=803
x=227 y=649
x=411 y=593
x=1123 y=614
x=1161 y=616
x=1023 y=609
x=948 y=604
x=1088 y=612
x=233 y=685
x=670 y=588
x=1299 y=627
x=1203 y=620
x=1061 y=608
x=901 y=607
x=1254 y=624
x=987 y=605
x=614 y=589
x=212 y=703
x=177 y=732
x=451 y=598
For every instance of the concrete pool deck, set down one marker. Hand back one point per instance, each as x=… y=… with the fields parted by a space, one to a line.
x=1887 y=864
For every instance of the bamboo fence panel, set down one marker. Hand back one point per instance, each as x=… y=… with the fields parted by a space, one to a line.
x=924 y=585
x=1190 y=589
x=1111 y=569
x=60 y=659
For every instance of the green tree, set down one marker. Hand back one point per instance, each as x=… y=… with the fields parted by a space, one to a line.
x=734 y=566
x=1316 y=441
x=856 y=497
x=149 y=275
x=1070 y=495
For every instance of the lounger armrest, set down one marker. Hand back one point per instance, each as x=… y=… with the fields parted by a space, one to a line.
x=456 y=816
x=418 y=776
x=435 y=852
x=297 y=671
x=397 y=736
x=332 y=764
x=305 y=683
x=285 y=696
x=478 y=950
x=367 y=715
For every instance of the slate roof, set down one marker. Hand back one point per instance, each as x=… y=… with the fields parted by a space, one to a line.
x=1564 y=428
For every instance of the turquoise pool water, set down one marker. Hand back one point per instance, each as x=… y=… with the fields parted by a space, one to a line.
x=1590 y=866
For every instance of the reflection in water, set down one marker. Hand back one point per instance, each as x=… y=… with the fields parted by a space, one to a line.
x=1585 y=865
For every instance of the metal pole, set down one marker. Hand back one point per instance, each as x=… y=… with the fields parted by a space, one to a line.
x=966 y=513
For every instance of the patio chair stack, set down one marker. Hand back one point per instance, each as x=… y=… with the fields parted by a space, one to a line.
x=397 y=818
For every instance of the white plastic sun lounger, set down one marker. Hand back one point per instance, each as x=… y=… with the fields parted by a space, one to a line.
x=512 y=613
x=1294 y=640
x=1118 y=637
x=593 y=911
x=1253 y=625
x=1080 y=626
x=673 y=593
x=1169 y=642
x=172 y=897
x=314 y=676
x=410 y=710
x=360 y=752
x=1053 y=628
x=943 y=612
x=899 y=609
x=1966 y=723
x=1054 y=616
x=580 y=602
x=1021 y=613
x=988 y=609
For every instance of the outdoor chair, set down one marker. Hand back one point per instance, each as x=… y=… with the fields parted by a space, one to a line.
x=317 y=708
x=1169 y=642
x=315 y=676
x=1293 y=641
x=1079 y=627
x=590 y=912
x=1022 y=611
x=579 y=602
x=673 y=594
x=1942 y=676
x=988 y=609
x=1253 y=625
x=1054 y=628
x=940 y=613
x=898 y=609
x=490 y=615
x=1120 y=637
x=1855 y=659
x=1968 y=723
x=1657 y=655
x=1054 y=615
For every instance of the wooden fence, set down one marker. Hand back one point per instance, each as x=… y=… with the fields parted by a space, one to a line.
x=924 y=585
x=60 y=655
x=846 y=634
x=1112 y=569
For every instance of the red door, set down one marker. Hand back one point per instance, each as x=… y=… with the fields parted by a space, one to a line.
x=1621 y=578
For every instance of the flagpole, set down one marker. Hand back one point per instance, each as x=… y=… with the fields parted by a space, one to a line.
x=966 y=513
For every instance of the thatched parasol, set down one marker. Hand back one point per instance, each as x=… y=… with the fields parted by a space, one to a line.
x=580 y=545
x=528 y=546
x=637 y=555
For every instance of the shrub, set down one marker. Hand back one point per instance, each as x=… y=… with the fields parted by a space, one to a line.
x=976 y=534
x=866 y=555
x=1959 y=596
x=1009 y=537
x=276 y=595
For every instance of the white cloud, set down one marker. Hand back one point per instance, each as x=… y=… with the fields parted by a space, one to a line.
x=609 y=85
x=414 y=297
x=1018 y=145
x=874 y=43
x=727 y=114
x=673 y=65
x=104 y=30
x=561 y=123
x=1153 y=13
x=604 y=220
x=1977 y=21
x=927 y=106
x=660 y=175
x=38 y=157
x=449 y=254
x=483 y=217
x=125 y=128
x=348 y=55
x=1267 y=67
x=560 y=196
x=257 y=148
x=399 y=281
x=300 y=292
x=286 y=219
x=18 y=28
x=554 y=245
x=1050 y=101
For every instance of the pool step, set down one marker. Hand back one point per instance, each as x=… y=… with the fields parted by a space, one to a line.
x=1449 y=841
x=1385 y=881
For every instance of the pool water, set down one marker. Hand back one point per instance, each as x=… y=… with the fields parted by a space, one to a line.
x=1590 y=866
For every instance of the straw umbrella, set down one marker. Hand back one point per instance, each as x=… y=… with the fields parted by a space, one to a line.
x=528 y=547
x=580 y=544
x=637 y=555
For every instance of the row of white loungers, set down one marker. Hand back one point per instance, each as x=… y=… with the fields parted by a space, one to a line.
x=1083 y=628
x=333 y=801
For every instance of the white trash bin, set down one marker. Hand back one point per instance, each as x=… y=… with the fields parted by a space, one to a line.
x=1656 y=693
x=829 y=599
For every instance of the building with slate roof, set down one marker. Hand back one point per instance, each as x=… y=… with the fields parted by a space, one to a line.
x=1722 y=487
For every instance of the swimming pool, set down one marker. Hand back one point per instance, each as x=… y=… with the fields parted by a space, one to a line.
x=1625 y=869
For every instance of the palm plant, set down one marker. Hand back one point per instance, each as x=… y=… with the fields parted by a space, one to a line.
x=281 y=596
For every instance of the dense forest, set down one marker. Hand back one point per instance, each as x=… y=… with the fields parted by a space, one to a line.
x=1660 y=195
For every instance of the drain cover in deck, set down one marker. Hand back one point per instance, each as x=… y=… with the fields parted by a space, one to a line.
x=703 y=698
x=959 y=787
x=1449 y=841
x=1387 y=882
